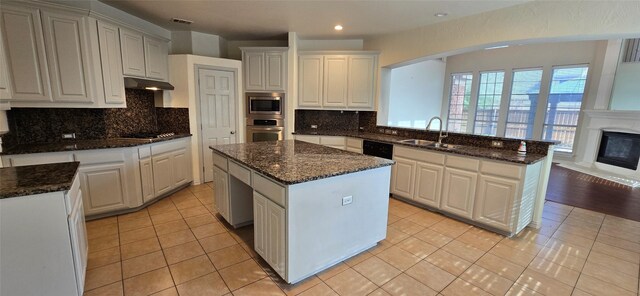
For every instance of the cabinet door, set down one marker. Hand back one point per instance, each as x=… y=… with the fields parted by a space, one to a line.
x=275 y=250
x=24 y=47
x=495 y=202
x=260 y=224
x=402 y=177
x=254 y=78
x=146 y=175
x=5 y=92
x=181 y=167
x=103 y=187
x=428 y=184
x=459 y=192
x=67 y=56
x=335 y=81
x=111 y=62
x=310 y=76
x=221 y=192
x=132 y=47
x=162 y=173
x=276 y=69
x=361 y=79
x=156 y=58
x=79 y=243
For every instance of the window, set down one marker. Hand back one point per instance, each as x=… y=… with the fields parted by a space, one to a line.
x=563 y=106
x=525 y=90
x=489 y=96
x=459 y=102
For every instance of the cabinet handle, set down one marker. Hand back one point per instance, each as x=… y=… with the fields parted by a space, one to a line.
x=233 y=132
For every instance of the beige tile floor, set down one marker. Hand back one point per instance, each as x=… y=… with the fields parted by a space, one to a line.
x=178 y=246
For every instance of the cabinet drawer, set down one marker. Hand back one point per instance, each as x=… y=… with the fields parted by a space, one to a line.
x=354 y=143
x=241 y=173
x=144 y=152
x=268 y=188
x=332 y=141
x=464 y=163
x=419 y=155
x=502 y=169
x=220 y=161
x=100 y=156
x=309 y=139
x=168 y=146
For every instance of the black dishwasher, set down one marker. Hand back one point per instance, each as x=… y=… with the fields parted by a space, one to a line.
x=378 y=149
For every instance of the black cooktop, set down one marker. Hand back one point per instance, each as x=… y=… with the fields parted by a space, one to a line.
x=149 y=135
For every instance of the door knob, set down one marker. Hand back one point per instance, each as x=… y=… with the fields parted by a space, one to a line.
x=233 y=132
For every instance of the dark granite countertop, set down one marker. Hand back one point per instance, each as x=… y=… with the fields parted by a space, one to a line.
x=73 y=145
x=481 y=152
x=36 y=179
x=291 y=162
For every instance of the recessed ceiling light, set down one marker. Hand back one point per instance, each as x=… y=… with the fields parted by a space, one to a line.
x=338 y=27
x=441 y=14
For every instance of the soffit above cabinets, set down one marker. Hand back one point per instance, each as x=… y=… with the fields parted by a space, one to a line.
x=246 y=20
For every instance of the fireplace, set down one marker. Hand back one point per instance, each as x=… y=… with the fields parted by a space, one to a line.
x=619 y=149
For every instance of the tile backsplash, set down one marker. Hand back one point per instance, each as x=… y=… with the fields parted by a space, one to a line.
x=36 y=125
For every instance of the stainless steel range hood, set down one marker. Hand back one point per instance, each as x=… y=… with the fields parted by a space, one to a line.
x=139 y=83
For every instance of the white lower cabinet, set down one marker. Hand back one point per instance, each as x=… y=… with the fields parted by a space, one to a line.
x=337 y=142
x=428 y=184
x=181 y=167
x=402 y=177
x=104 y=187
x=495 y=201
x=79 y=241
x=459 y=190
x=171 y=165
x=221 y=191
x=162 y=179
x=146 y=176
x=269 y=231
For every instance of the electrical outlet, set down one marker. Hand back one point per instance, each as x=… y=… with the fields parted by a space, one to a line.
x=69 y=136
x=314 y=126
x=496 y=144
x=394 y=132
x=347 y=200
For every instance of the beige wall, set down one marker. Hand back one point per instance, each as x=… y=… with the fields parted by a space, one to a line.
x=529 y=22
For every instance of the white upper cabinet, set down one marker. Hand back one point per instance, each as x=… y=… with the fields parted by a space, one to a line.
x=265 y=69
x=337 y=81
x=67 y=56
x=111 y=61
x=310 y=76
x=25 y=53
x=132 y=43
x=361 y=81
x=156 y=57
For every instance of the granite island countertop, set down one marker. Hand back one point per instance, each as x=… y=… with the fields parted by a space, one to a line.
x=36 y=179
x=73 y=145
x=467 y=150
x=291 y=162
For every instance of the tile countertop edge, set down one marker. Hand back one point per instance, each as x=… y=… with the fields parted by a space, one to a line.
x=32 y=179
x=108 y=144
x=290 y=182
x=395 y=140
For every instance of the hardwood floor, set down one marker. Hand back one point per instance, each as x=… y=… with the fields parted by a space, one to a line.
x=588 y=192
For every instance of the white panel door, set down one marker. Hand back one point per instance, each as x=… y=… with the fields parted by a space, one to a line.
x=335 y=81
x=156 y=58
x=402 y=177
x=146 y=175
x=275 y=72
x=103 y=187
x=111 y=61
x=25 y=53
x=260 y=224
x=162 y=173
x=361 y=78
x=181 y=167
x=276 y=218
x=132 y=47
x=67 y=56
x=310 y=76
x=428 y=184
x=217 y=113
x=254 y=69
x=459 y=192
x=494 y=204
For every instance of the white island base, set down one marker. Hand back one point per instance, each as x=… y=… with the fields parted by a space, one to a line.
x=304 y=228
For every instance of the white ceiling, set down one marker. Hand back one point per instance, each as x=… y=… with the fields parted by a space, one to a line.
x=267 y=19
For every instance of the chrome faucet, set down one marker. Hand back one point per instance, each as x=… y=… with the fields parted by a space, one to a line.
x=440 y=136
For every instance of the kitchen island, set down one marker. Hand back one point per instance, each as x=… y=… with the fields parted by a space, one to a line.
x=311 y=206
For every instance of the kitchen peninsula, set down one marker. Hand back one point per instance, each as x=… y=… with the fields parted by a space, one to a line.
x=312 y=206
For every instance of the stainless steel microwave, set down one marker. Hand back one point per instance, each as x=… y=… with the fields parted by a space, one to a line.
x=265 y=104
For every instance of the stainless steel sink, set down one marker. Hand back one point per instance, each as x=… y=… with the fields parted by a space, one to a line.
x=417 y=142
x=444 y=146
